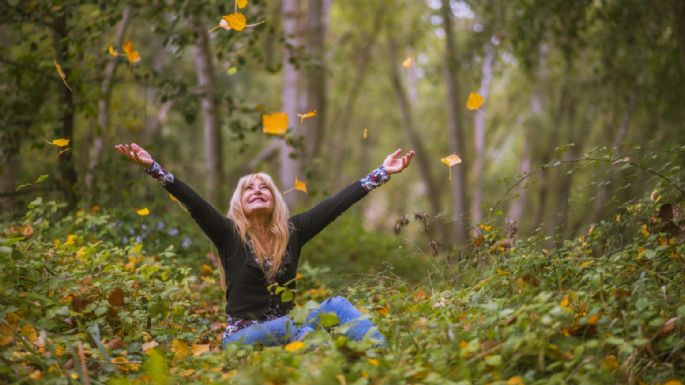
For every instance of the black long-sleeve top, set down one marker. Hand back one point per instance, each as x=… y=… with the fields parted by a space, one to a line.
x=247 y=294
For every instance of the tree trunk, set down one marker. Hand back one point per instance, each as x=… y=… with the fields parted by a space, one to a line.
x=414 y=138
x=290 y=95
x=679 y=21
x=317 y=20
x=479 y=138
x=67 y=179
x=339 y=124
x=206 y=81
x=456 y=135
x=104 y=98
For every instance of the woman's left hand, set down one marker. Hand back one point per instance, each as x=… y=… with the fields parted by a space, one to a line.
x=396 y=162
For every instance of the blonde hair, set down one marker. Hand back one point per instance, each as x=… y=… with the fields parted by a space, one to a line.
x=269 y=257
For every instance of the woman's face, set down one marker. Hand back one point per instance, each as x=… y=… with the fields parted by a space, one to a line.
x=257 y=198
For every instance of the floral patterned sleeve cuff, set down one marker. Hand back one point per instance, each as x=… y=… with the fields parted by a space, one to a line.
x=375 y=178
x=163 y=176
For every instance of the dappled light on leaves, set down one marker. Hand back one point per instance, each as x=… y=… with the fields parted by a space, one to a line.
x=474 y=101
x=62 y=75
x=275 y=124
x=306 y=115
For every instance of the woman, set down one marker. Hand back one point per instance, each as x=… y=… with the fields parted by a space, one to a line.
x=259 y=247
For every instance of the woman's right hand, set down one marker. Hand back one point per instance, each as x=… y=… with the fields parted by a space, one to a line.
x=136 y=153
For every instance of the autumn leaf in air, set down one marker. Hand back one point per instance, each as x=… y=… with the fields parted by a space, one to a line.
x=306 y=115
x=143 y=212
x=131 y=54
x=235 y=20
x=241 y=3
x=474 y=101
x=300 y=185
x=62 y=75
x=275 y=124
x=112 y=52
x=450 y=161
x=365 y=134
x=407 y=62
x=61 y=142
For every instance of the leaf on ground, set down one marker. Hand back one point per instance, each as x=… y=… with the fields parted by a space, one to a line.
x=516 y=380
x=200 y=349
x=116 y=297
x=180 y=349
x=294 y=346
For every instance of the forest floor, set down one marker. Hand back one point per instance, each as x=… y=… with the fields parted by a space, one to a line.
x=607 y=307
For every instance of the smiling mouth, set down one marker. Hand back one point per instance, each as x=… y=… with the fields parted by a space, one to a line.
x=258 y=199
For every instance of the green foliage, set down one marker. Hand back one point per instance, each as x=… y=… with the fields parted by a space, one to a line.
x=604 y=307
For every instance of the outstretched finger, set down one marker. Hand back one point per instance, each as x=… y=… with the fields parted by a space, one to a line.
x=395 y=154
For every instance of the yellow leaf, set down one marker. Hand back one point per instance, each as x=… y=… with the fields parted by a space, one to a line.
x=516 y=380
x=407 y=62
x=365 y=134
x=485 y=227
x=199 y=349
x=593 y=319
x=62 y=75
x=644 y=231
x=123 y=364
x=306 y=115
x=611 y=362
x=131 y=54
x=187 y=372
x=180 y=349
x=36 y=375
x=111 y=51
x=384 y=311
x=241 y=3
x=294 y=346
x=235 y=20
x=173 y=198
x=502 y=272
x=300 y=185
x=6 y=334
x=29 y=332
x=451 y=160
x=474 y=101
x=276 y=123
x=587 y=263
x=373 y=361
x=61 y=142
x=143 y=212
x=564 y=302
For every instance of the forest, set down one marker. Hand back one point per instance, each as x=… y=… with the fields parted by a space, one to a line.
x=538 y=236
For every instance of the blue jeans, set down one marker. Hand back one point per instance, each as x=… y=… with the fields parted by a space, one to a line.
x=283 y=330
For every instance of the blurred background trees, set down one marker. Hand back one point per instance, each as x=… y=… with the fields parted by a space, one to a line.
x=562 y=81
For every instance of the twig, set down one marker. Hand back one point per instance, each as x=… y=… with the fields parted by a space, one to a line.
x=84 y=369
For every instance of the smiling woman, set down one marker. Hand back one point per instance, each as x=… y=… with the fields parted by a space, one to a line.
x=259 y=245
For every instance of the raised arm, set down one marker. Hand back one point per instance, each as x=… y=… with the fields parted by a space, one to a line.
x=311 y=222
x=217 y=227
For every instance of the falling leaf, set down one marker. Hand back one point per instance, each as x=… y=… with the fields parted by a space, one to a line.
x=111 y=51
x=407 y=62
x=62 y=75
x=516 y=380
x=306 y=115
x=365 y=134
x=131 y=54
x=451 y=160
x=61 y=142
x=180 y=349
x=199 y=349
x=241 y=3
x=236 y=21
x=373 y=361
x=276 y=123
x=294 y=346
x=474 y=101
x=173 y=198
x=300 y=185
x=143 y=212
x=231 y=70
